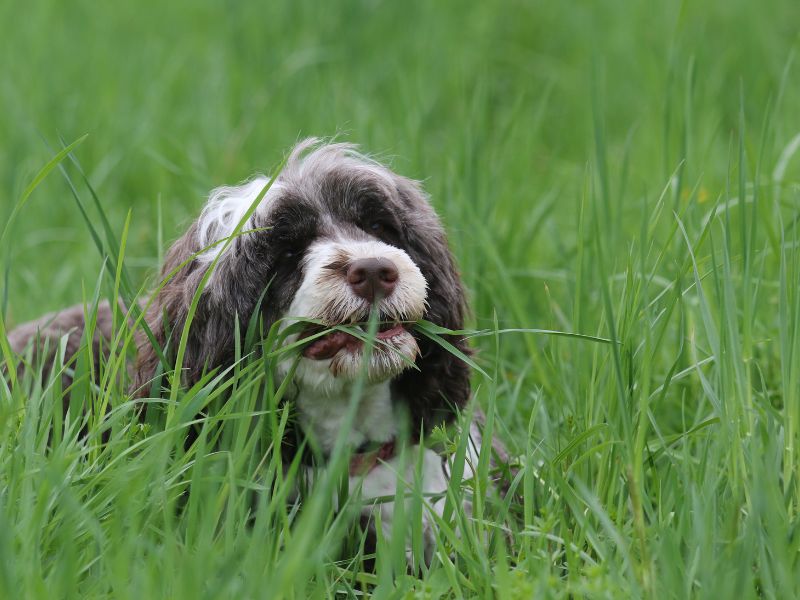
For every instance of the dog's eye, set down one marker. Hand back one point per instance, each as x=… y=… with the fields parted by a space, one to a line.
x=382 y=228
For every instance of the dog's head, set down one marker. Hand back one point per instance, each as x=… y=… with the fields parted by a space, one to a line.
x=335 y=237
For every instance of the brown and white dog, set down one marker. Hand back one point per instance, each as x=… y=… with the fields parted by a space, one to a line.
x=336 y=236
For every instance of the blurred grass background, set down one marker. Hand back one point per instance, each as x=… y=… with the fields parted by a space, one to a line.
x=490 y=104
x=558 y=142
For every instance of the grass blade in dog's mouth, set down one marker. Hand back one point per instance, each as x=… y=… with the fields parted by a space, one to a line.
x=349 y=338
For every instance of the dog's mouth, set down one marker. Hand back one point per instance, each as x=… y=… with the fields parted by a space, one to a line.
x=329 y=345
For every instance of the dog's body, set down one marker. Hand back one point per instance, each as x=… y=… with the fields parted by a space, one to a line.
x=336 y=237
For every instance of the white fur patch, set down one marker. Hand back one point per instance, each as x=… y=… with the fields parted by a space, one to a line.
x=321 y=416
x=225 y=209
x=327 y=296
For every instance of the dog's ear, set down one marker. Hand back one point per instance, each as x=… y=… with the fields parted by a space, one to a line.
x=211 y=333
x=441 y=385
x=166 y=317
x=230 y=293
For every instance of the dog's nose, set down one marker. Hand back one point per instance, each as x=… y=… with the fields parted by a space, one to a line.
x=371 y=277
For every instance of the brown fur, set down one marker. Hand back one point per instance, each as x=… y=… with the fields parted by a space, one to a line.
x=334 y=189
x=432 y=393
x=43 y=337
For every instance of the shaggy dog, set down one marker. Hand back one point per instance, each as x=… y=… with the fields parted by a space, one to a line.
x=336 y=237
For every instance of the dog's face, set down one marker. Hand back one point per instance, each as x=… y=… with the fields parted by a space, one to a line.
x=335 y=237
x=345 y=274
x=335 y=256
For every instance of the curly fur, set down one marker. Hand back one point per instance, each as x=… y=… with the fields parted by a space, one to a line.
x=341 y=188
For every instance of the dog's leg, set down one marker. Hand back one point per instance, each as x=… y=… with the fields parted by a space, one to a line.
x=377 y=487
x=381 y=483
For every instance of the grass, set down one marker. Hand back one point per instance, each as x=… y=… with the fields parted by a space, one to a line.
x=625 y=171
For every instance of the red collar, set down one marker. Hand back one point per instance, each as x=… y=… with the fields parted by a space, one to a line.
x=362 y=463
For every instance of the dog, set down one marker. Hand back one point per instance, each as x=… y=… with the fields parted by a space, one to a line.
x=334 y=237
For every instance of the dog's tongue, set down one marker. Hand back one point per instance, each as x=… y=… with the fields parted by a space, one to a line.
x=327 y=346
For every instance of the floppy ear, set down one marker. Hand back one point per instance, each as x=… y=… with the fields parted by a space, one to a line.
x=211 y=334
x=232 y=291
x=441 y=385
x=167 y=315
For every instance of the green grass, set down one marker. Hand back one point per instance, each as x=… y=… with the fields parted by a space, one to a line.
x=589 y=161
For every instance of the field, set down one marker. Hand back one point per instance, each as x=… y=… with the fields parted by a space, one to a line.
x=626 y=171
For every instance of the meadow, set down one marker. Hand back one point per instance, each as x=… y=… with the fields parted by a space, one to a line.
x=625 y=171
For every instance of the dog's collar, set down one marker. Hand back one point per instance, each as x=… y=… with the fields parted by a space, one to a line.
x=368 y=455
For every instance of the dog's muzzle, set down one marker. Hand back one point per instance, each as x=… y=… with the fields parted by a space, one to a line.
x=344 y=283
